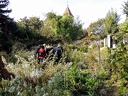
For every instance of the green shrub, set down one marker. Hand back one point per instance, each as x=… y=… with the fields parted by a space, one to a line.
x=70 y=47
x=102 y=44
x=12 y=58
x=94 y=46
x=81 y=82
x=83 y=48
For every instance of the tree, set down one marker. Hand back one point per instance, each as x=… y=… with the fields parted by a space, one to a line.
x=124 y=26
x=125 y=8
x=3 y=15
x=25 y=31
x=29 y=26
x=5 y=22
x=97 y=28
x=67 y=28
x=111 y=22
x=64 y=27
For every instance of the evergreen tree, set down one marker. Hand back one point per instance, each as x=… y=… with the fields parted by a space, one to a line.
x=5 y=23
x=125 y=8
x=4 y=15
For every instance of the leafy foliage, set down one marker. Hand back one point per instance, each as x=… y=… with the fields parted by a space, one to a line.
x=97 y=28
x=125 y=8
x=79 y=72
x=111 y=22
x=119 y=58
x=62 y=27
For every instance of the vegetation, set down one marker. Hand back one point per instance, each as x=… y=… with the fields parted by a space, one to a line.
x=4 y=23
x=64 y=27
x=86 y=69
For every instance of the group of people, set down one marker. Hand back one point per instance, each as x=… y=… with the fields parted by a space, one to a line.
x=46 y=51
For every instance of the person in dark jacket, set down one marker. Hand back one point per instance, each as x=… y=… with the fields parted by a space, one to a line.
x=49 y=51
x=40 y=54
x=57 y=52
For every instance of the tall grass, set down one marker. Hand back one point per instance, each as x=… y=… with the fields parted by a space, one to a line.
x=75 y=77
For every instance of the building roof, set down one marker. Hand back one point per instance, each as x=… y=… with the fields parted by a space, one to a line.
x=68 y=12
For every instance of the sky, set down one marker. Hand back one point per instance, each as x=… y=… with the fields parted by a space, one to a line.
x=88 y=11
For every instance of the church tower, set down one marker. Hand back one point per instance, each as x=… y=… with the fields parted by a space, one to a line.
x=67 y=11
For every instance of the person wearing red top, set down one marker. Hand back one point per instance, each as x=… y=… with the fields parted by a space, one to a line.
x=40 y=54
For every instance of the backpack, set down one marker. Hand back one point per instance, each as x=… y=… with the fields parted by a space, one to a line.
x=40 y=52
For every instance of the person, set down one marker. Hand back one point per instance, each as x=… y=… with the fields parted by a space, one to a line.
x=40 y=54
x=57 y=52
x=49 y=51
x=44 y=46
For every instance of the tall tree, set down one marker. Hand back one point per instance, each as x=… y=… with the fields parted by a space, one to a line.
x=5 y=22
x=97 y=28
x=125 y=8
x=4 y=15
x=111 y=22
x=29 y=27
x=64 y=27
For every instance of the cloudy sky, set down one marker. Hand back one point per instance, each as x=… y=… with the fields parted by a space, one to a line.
x=88 y=11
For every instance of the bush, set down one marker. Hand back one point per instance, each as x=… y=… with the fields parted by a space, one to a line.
x=82 y=83
x=83 y=48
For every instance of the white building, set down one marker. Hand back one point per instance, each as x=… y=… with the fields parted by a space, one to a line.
x=110 y=41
